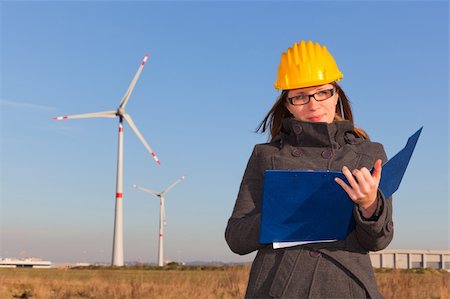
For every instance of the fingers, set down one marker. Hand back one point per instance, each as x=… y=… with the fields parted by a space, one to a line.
x=350 y=178
x=365 y=180
x=358 y=185
x=362 y=177
x=362 y=184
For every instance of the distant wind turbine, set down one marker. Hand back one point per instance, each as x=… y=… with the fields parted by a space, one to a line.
x=117 y=253
x=162 y=215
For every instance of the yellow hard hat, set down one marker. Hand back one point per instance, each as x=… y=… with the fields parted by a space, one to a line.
x=306 y=64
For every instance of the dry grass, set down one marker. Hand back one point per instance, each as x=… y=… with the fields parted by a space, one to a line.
x=414 y=284
x=185 y=282
x=180 y=282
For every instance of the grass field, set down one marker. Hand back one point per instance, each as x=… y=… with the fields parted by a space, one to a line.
x=186 y=282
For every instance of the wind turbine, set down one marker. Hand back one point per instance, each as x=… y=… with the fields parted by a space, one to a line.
x=162 y=215
x=117 y=253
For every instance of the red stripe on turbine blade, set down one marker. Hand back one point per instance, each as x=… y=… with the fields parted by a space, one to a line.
x=145 y=59
x=119 y=195
x=120 y=129
x=161 y=235
x=156 y=158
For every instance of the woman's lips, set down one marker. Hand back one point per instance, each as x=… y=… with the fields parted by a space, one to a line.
x=315 y=117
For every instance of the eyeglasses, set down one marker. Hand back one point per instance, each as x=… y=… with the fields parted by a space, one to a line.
x=303 y=99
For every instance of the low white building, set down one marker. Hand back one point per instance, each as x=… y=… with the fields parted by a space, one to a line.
x=411 y=258
x=24 y=263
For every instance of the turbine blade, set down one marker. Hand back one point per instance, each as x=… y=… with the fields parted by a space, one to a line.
x=139 y=135
x=173 y=185
x=146 y=190
x=108 y=114
x=127 y=95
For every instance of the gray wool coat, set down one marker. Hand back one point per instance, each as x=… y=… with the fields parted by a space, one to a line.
x=339 y=269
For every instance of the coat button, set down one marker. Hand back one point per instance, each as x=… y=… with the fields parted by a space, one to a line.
x=297 y=129
x=390 y=226
x=296 y=152
x=327 y=154
x=314 y=253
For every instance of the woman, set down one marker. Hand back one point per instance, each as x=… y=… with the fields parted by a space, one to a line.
x=311 y=128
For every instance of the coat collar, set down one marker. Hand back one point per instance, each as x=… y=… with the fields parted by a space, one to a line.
x=310 y=134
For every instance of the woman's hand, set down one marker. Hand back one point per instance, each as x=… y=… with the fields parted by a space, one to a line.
x=363 y=187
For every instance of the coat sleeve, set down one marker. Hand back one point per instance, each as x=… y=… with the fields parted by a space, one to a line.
x=242 y=232
x=376 y=232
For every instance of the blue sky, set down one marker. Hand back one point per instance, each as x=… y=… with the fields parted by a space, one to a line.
x=206 y=86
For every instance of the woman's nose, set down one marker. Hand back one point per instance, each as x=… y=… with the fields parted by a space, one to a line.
x=313 y=104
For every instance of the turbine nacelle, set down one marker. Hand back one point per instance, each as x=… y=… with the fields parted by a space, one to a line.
x=120 y=111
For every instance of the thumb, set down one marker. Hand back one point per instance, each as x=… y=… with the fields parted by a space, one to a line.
x=377 y=170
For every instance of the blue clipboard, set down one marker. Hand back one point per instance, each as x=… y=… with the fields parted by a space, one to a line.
x=309 y=206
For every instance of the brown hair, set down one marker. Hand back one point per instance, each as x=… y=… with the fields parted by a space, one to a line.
x=274 y=118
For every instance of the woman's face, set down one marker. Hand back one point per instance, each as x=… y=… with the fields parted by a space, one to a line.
x=313 y=111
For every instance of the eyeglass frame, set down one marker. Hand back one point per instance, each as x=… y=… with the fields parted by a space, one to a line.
x=312 y=95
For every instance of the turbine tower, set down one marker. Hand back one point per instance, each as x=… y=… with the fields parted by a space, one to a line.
x=117 y=252
x=162 y=215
